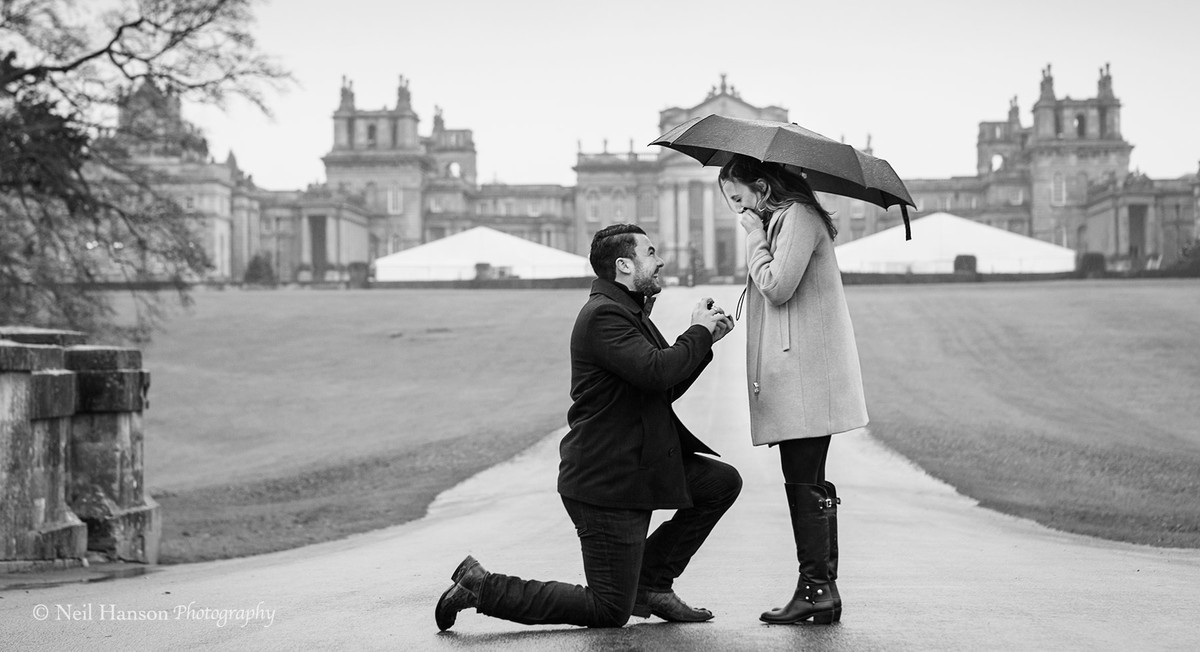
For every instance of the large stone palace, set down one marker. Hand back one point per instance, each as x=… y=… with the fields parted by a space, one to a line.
x=1065 y=179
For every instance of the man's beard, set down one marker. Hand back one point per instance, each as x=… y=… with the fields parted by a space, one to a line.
x=647 y=284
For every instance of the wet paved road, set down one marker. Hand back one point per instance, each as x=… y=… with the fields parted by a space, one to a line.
x=923 y=568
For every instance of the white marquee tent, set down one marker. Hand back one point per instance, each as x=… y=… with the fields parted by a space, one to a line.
x=938 y=238
x=455 y=258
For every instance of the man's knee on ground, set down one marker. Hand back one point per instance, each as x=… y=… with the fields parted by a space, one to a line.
x=610 y=617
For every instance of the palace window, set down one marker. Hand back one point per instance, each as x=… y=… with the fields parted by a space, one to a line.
x=593 y=206
x=1058 y=189
x=395 y=201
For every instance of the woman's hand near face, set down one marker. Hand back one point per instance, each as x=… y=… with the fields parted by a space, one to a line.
x=750 y=221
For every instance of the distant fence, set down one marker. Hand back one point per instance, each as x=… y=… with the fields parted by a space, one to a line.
x=948 y=264
x=494 y=284
x=866 y=278
x=848 y=278
x=71 y=465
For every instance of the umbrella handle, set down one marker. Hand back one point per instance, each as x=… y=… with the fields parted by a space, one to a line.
x=907 y=227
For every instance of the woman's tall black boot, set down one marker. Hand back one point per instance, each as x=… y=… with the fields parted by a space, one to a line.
x=808 y=505
x=831 y=516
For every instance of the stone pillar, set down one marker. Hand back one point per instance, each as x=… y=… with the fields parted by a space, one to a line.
x=710 y=232
x=1154 y=232
x=304 y=240
x=383 y=134
x=332 y=245
x=683 y=226
x=340 y=138
x=38 y=529
x=107 y=489
x=1121 y=226
x=666 y=224
x=360 y=133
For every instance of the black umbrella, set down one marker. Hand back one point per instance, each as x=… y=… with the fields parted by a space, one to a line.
x=828 y=165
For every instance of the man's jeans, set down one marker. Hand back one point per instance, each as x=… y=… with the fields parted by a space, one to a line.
x=618 y=558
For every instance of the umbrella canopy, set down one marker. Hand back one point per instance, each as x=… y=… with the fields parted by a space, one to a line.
x=829 y=166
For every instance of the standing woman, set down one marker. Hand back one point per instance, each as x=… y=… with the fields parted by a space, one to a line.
x=803 y=373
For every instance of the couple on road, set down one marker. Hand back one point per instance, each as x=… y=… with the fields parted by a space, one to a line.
x=627 y=453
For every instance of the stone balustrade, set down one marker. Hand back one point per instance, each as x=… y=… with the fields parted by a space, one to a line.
x=71 y=462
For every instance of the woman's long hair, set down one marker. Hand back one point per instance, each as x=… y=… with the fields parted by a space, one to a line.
x=783 y=188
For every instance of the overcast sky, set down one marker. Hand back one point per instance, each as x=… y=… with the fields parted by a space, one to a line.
x=532 y=78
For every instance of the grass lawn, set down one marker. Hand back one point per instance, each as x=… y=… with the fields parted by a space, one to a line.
x=288 y=417
x=280 y=418
x=1073 y=403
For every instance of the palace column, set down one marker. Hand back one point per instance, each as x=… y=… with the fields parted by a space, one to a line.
x=1154 y=233
x=305 y=240
x=666 y=222
x=710 y=231
x=683 y=235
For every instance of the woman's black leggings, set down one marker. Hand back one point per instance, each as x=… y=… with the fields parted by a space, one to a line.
x=803 y=460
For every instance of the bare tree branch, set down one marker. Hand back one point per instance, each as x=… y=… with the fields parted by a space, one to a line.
x=36 y=73
x=76 y=209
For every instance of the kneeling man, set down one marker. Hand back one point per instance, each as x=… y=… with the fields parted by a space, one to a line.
x=626 y=454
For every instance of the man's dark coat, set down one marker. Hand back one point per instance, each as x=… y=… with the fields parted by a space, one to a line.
x=625 y=446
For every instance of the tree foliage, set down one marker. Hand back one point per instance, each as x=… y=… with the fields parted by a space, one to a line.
x=78 y=212
x=1189 y=259
x=259 y=271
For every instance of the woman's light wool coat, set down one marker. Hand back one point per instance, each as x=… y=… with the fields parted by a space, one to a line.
x=803 y=373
